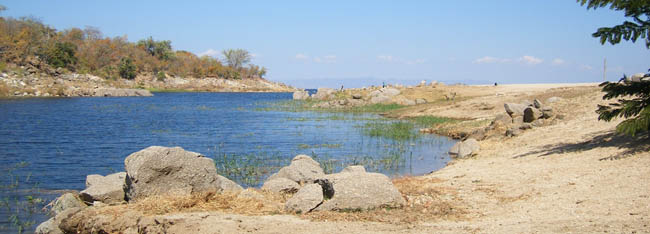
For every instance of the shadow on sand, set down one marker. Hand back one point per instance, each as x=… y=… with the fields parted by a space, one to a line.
x=604 y=139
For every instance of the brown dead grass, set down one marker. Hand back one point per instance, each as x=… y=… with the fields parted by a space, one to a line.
x=225 y=202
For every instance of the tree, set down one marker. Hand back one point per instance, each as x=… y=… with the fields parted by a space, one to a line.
x=62 y=55
x=236 y=58
x=160 y=49
x=634 y=94
x=127 y=68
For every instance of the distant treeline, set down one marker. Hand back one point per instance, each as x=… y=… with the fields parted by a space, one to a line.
x=88 y=51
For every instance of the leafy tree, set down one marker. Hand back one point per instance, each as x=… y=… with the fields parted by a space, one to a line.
x=262 y=72
x=634 y=94
x=62 y=55
x=160 y=49
x=236 y=58
x=127 y=68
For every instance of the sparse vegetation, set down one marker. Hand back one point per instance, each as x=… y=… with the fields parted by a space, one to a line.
x=391 y=130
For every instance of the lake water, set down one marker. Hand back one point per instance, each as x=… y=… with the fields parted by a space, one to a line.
x=53 y=143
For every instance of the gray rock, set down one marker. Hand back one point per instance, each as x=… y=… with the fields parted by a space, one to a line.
x=66 y=201
x=539 y=123
x=308 y=197
x=502 y=119
x=300 y=95
x=302 y=169
x=512 y=132
x=514 y=109
x=107 y=189
x=526 y=126
x=419 y=101
x=537 y=104
x=355 y=189
x=553 y=99
x=51 y=226
x=356 y=96
x=159 y=170
x=227 y=185
x=465 y=148
x=527 y=103
x=547 y=112
x=517 y=120
x=281 y=185
x=531 y=114
x=405 y=102
x=379 y=99
x=324 y=93
x=114 y=92
x=390 y=91
x=343 y=102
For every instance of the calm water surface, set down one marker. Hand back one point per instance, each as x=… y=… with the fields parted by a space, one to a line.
x=53 y=143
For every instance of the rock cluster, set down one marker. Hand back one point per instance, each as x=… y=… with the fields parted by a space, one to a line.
x=352 y=188
x=152 y=171
x=523 y=116
x=465 y=149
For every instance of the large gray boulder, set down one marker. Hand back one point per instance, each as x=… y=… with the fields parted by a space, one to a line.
x=553 y=99
x=107 y=189
x=390 y=91
x=51 y=226
x=637 y=77
x=531 y=114
x=514 y=109
x=307 y=198
x=159 y=170
x=300 y=95
x=379 y=99
x=281 y=185
x=465 y=148
x=302 y=169
x=354 y=188
x=66 y=201
x=324 y=93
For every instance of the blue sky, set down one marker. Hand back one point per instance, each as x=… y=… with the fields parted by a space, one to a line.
x=360 y=43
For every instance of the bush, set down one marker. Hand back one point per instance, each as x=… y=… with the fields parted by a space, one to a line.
x=127 y=68
x=62 y=55
x=161 y=76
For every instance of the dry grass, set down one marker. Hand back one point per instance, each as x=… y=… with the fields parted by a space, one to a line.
x=4 y=90
x=225 y=202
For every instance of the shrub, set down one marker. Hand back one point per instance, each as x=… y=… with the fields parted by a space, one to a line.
x=161 y=76
x=127 y=68
x=62 y=55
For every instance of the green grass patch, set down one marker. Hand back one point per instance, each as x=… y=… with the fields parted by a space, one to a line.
x=391 y=130
x=430 y=121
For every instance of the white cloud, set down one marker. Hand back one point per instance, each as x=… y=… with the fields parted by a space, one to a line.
x=302 y=56
x=254 y=55
x=489 y=59
x=558 y=61
x=330 y=57
x=530 y=60
x=210 y=52
x=417 y=61
x=385 y=57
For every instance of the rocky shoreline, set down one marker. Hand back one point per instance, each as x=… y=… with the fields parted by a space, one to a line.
x=29 y=81
x=157 y=172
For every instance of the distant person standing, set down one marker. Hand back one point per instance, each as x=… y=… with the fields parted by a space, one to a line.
x=383 y=84
x=495 y=83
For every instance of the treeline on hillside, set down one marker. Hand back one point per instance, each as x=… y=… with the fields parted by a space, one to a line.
x=88 y=51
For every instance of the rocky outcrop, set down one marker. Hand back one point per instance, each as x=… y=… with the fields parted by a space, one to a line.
x=323 y=94
x=52 y=225
x=113 y=92
x=514 y=109
x=531 y=114
x=66 y=201
x=106 y=189
x=300 y=95
x=160 y=170
x=308 y=198
x=281 y=185
x=465 y=149
x=354 y=188
x=302 y=169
